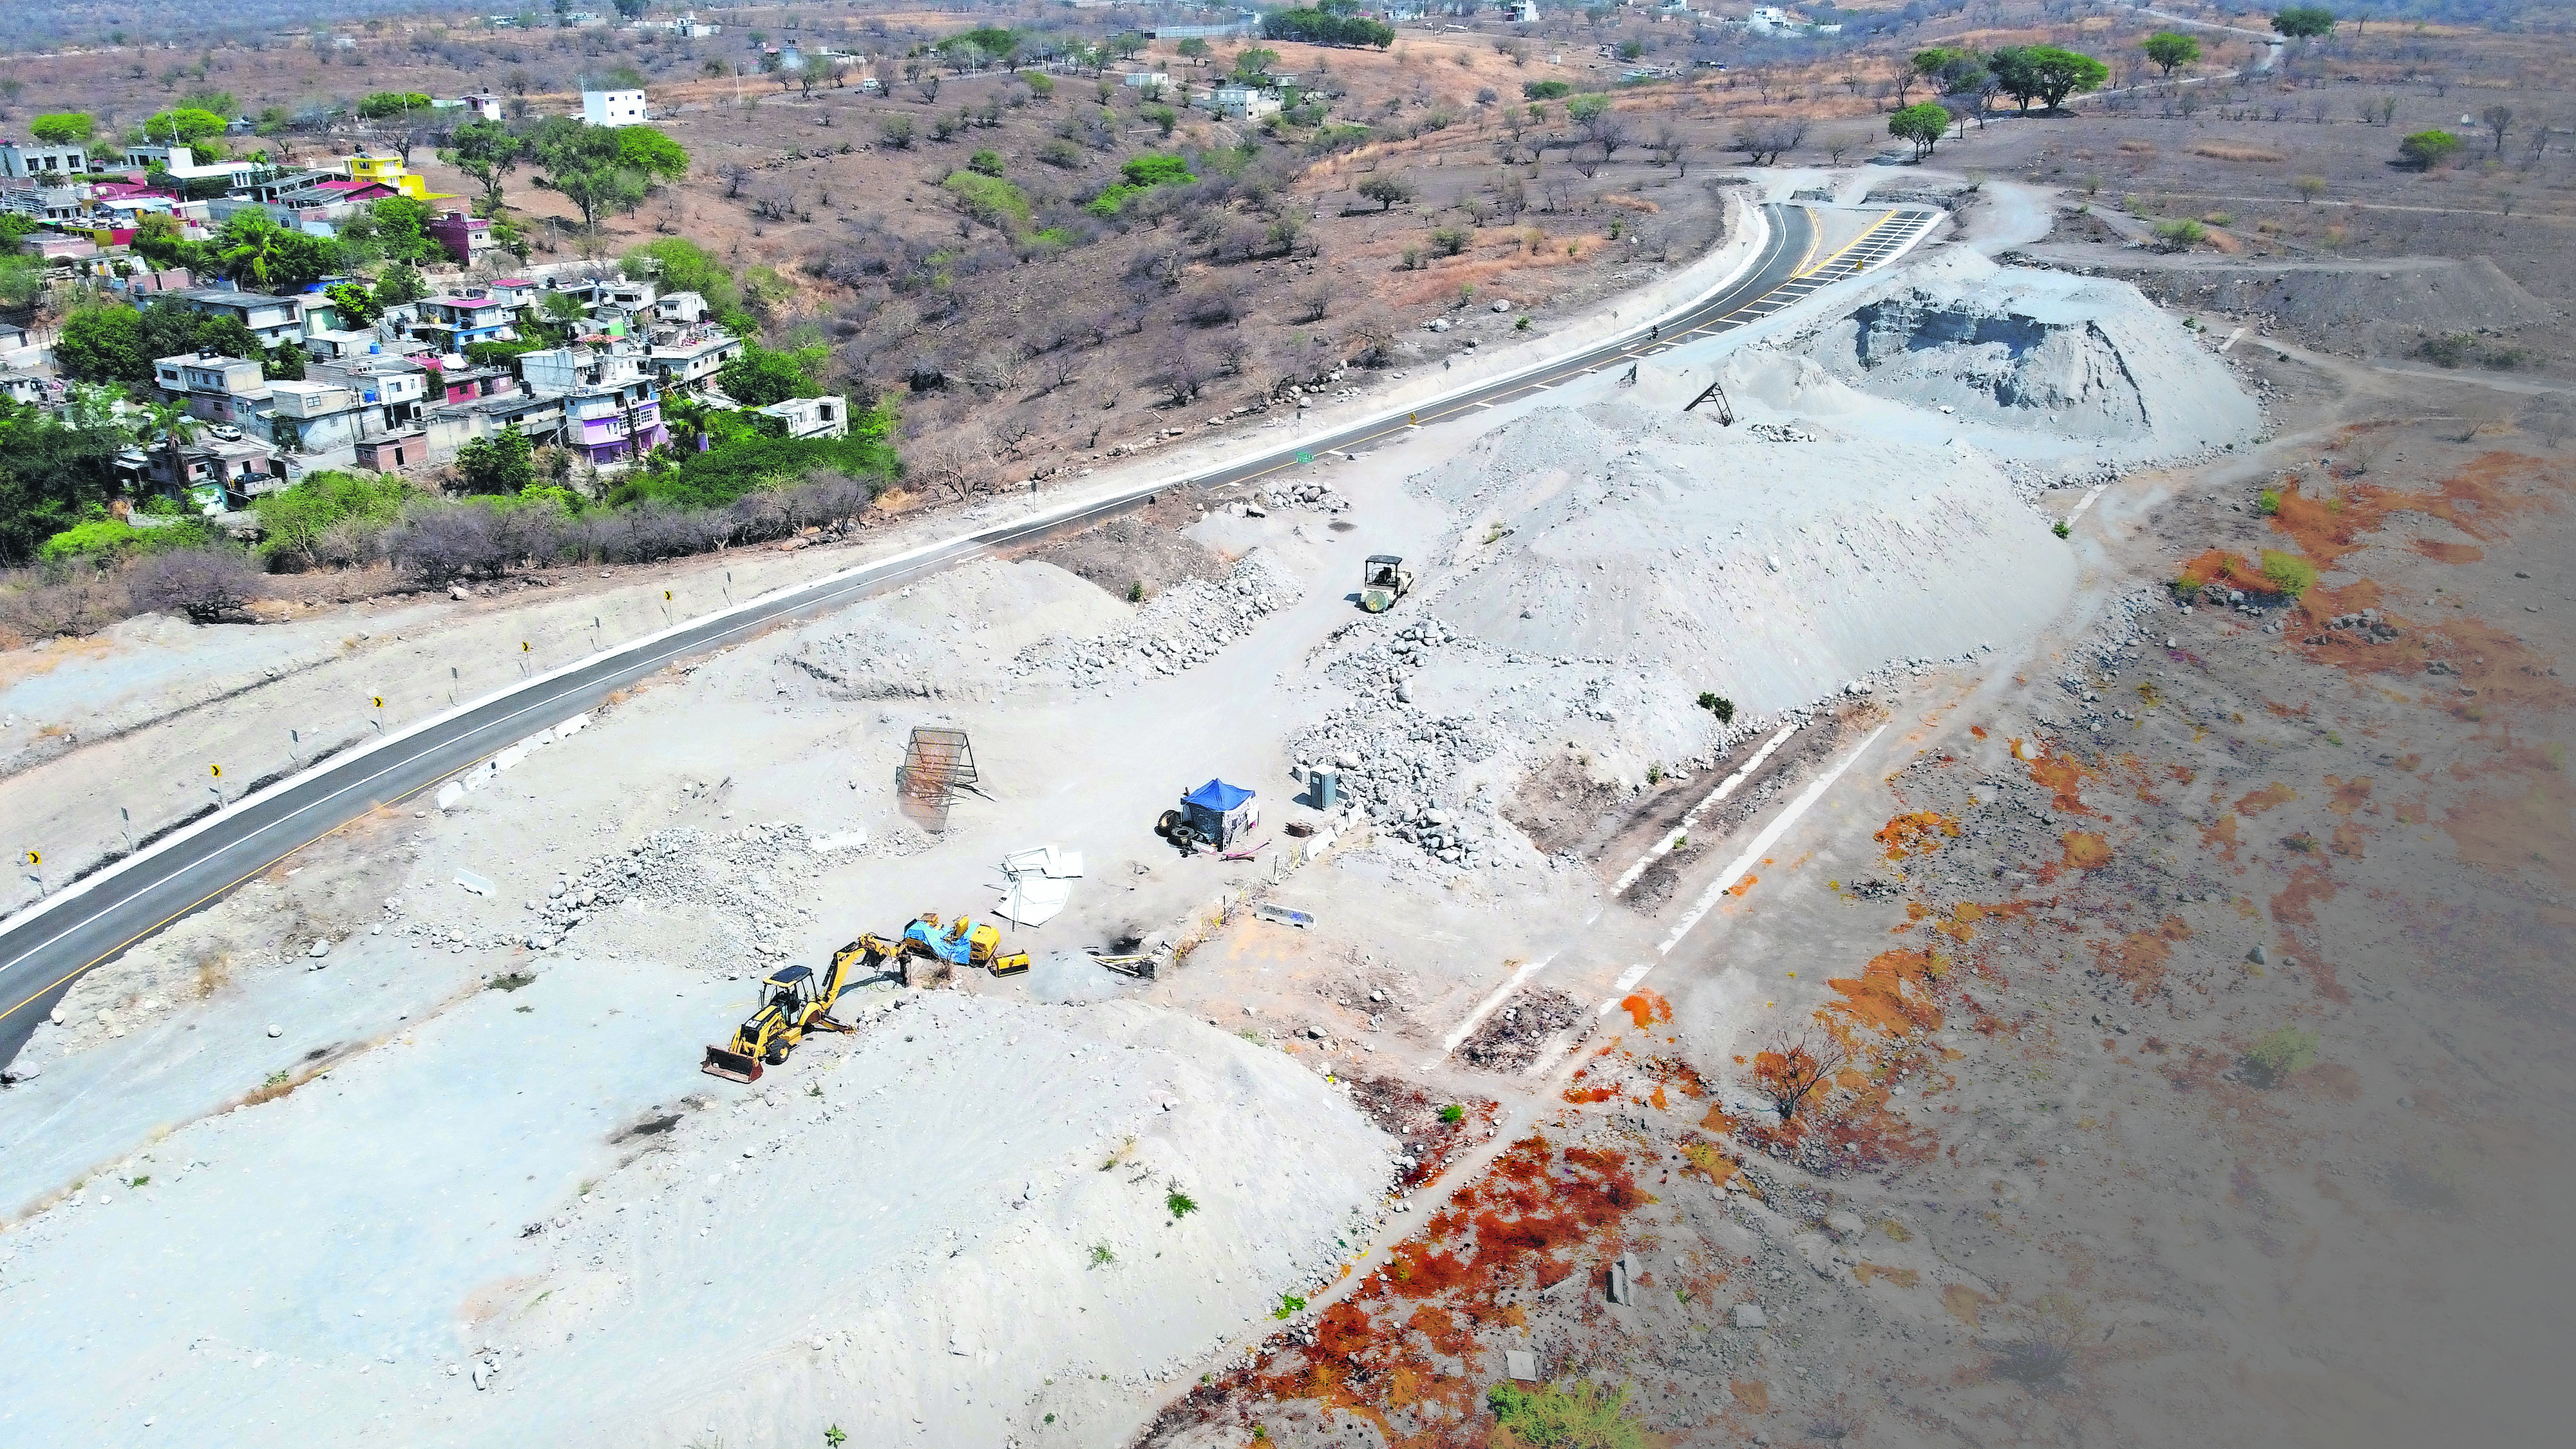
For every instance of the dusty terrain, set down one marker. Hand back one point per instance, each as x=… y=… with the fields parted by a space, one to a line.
x=2103 y=983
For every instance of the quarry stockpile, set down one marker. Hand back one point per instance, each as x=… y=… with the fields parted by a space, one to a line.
x=1703 y=558
x=2084 y=357
x=1182 y=626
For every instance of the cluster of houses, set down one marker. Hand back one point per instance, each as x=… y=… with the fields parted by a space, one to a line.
x=90 y=216
x=402 y=395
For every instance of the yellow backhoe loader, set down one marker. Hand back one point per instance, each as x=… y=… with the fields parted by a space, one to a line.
x=793 y=1002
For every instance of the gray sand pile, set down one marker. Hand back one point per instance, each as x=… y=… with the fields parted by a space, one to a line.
x=1707 y=558
x=945 y=641
x=1184 y=625
x=2084 y=357
x=956 y=1228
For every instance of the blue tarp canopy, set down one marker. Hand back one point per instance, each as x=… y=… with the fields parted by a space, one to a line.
x=952 y=951
x=1217 y=795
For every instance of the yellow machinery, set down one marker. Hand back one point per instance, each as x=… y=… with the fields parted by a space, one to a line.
x=962 y=942
x=793 y=1002
x=1383 y=580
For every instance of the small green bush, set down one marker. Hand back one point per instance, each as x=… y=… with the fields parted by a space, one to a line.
x=1545 y=90
x=116 y=538
x=1289 y=1304
x=1179 y=1203
x=1583 y=1417
x=1718 y=705
x=2180 y=235
x=2288 y=572
x=2426 y=150
x=1453 y=1113
x=990 y=199
x=2268 y=502
x=2282 y=1055
x=2061 y=528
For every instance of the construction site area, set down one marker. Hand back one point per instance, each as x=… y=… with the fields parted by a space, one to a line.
x=1962 y=858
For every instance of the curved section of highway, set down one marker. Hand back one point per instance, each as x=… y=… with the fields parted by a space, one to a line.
x=46 y=947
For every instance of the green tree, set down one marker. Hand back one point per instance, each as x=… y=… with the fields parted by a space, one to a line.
x=1922 y=124
x=985 y=163
x=52 y=473
x=1587 y=108
x=159 y=239
x=2170 y=50
x=257 y=251
x=679 y=265
x=1949 y=69
x=358 y=306
x=1195 y=51
x=401 y=227
x=2426 y=150
x=182 y=124
x=398 y=284
x=1252 y=63
x=387 y=105
x=103 y=342
x=1385 y=190
x=762 y=375
x=484 y=150
x=63 y=128
x=504 y=463
x=2304 y=22
x=650 y=153
x=2044 y=73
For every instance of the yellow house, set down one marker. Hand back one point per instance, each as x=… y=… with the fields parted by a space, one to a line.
x=389 y=171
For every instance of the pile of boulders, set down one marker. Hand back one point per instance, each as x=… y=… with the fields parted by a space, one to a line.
x=735 y=874
x=1303 y=493
x=1399 y=764
x=1185 y=625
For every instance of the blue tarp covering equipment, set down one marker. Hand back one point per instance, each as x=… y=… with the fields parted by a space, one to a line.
x=1217 y=795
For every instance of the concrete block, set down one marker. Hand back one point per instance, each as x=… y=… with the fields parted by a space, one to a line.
x=1520 y=1363
x=447 y=796
x=1750 y=1315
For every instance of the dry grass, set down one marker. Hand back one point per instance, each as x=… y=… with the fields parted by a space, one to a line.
x=1631 y=203
x=2229 y=151
x=214 y=972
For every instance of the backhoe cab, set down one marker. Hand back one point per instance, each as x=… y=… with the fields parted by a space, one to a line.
x=1383 y=580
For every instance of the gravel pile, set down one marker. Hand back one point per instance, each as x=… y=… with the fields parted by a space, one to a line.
x=1302 y=493
x=1402 y=766
x=746 y=879
x=1185 y=625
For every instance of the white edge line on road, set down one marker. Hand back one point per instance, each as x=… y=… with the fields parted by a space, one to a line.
x=1486 y=1007
x=1769 y=837
x=1313 y=441
x=1725 y=788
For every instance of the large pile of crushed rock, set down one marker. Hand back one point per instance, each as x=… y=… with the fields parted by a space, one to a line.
x=2084 y=357
x=941 y=640
x=1185 y=625
x=1689 y=557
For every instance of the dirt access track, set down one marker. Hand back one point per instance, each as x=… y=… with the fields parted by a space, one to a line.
x=1996 y=831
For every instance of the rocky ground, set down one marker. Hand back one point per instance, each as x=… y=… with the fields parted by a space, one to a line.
x=2080 y=990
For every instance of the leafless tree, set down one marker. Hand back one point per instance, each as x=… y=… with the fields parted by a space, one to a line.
x=1792 y=1067
x=2498 y=119
x=1179 y=369
x=206 y=584
x=1766 y=139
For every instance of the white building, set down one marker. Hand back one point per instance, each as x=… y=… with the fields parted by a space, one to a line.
x=812 y=417
x=612 y=108
x=24 y=159
x=483 y=107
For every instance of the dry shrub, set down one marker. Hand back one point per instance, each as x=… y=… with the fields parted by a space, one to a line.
x=1631 y=203
x=214 y=969
x=46 y=603
x=2137 y=148
x=2231 y=151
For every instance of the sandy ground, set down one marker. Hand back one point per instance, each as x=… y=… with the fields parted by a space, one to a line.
x=1973 y=817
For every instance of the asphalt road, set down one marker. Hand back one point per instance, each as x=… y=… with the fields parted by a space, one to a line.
x=45 y=950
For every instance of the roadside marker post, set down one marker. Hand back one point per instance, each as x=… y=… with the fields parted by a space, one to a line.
x=378 y=701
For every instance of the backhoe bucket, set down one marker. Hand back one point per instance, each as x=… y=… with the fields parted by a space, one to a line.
x=732 y=1066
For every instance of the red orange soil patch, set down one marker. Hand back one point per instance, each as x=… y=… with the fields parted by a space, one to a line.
x=1918 y=832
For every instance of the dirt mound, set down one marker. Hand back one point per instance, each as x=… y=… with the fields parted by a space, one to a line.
x=1770 y=566
x=2083 y=357
x=2389 y=307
